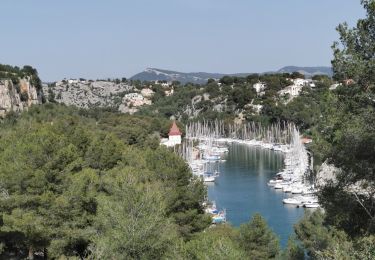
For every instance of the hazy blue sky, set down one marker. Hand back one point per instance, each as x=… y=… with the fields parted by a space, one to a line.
x=115 y=38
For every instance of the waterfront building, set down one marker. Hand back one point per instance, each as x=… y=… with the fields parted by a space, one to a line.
x=174 y=136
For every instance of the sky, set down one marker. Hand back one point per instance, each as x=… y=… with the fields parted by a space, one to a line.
x=119 y=38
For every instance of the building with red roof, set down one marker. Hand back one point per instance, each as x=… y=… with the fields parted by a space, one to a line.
x=174 y=136
x=174 y=130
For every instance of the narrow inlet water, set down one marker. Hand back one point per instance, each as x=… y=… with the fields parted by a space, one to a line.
x=242 y=189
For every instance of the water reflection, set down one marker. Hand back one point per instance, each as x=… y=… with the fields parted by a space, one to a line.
x=242 y=189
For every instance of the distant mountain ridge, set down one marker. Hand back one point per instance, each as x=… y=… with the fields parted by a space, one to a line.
x=307 y=71
x=153 y=74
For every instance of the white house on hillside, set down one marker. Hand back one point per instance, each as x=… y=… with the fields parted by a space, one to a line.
x=72 y=81
x=163 y=84
x=259 y=87
x=304 y=82
x=300 y=82
x=292 y=91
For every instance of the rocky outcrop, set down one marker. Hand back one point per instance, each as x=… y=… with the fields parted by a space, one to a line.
x=327 y=173
x=17 y=97
x=88 y=94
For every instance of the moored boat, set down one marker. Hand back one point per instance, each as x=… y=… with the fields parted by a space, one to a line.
x=311 y=205
x=219 y=218
x=279 y=186
x=293 y=201
x=210 y=177
x=212 y=157
x=274 y=182
x=211 y=209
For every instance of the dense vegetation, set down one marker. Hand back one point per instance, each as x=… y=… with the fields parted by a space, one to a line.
x=214 y=100
x=66 y=175
x=96 y=184
x=348 y=131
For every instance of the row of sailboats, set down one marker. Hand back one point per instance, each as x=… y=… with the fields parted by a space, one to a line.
x=205 y=146
x=293 y=179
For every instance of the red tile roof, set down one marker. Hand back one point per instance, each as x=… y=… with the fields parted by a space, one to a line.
x=174 y=130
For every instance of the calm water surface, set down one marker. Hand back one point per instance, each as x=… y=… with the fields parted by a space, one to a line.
x=242 y=189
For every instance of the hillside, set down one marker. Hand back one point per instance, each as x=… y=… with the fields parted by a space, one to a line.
x=230 y=96
x=154 y=74
x=20 y=88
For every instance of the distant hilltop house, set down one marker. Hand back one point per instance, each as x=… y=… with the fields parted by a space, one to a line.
x=295 y=89
x=174 y=136
x=70 y=81
x=292 y=91
x=163 y=84
x=259 y=88
x=75 y=81
x=303 y=82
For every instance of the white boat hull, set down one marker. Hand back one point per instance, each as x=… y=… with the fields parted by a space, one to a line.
x=291 y=201
x=311 y=205
x=209 y=179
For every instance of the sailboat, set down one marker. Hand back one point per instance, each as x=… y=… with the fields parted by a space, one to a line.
x=210 y=177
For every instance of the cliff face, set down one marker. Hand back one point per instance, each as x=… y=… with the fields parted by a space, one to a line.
x=87 y=94
x=17 y=97
x=34 y=97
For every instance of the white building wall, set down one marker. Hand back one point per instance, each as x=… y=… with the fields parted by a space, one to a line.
x=175 y=139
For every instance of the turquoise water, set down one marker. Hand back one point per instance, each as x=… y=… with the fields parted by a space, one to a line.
x=242 y=189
